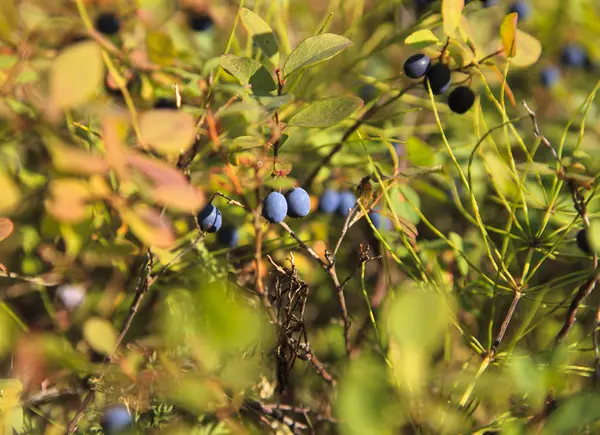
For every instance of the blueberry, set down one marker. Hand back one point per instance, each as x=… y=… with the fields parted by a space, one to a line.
x=582 y=241
x=416 y=66
x=461 y=99
x=329 y=201
x=367 y=92
x=229 y=236
x=210 y=219
x=298 y=202
x=439 y=78
x=165 y=103
x=347 y=201
x=488 y=3
x=422 y=6
x=115 y=420
x=199 y=21
x=549 y=76
x=521 y=8
x=71 y=295
x=108 y=23
x=573 y=55
x=275 y=207
x=379 y=221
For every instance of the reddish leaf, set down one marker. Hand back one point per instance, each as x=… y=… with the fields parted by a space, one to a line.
x=149 y=226
x=6 y=228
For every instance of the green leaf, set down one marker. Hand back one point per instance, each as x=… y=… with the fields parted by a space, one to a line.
x=76 y=74
x=313 y=50
x=419 y=153
x=100 y=335
x=573 y=414
x=508 y=34
x=240 y=150
x=274 y=102
x=325 y=113
x=167 y=131
x=11 y=194
x=249 y=72
x=421 y=39
x=463 y=266
x=160 y=48
x=451 y=13
x=261 y=34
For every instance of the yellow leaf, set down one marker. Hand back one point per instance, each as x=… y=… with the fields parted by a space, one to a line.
x=100 y=335
x=149 y=226
x=76 y=74
x=508 y=34
x=451 y=13
x=421 y=38
x=6 y=228
x=11 y=195
x=167 y=131
x=529 y=50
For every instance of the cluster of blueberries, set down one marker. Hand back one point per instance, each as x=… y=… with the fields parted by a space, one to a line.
x=108 y=23
x=439 y=76
x=572 y=56
x=332 y=201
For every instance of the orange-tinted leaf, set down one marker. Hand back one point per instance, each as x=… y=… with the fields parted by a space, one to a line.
x=149 y=226
x=158 y=171
x=76 y=74
x=73 y=160
x=10 y=196
x=507 y=89
x=451 y=13
x=70 y=212
x=115 y=150
x=167 y=131
x=6 y=228
x=508 y=34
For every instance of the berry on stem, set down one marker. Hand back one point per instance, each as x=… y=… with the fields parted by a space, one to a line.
x=582 y=241
x=275 y=207
x=439 y=77
x=229 y=236
x=199 y=21
x=108 y=23
x=115 y=420
x=210 y=219
x=347 y=202
x=416 y=66
x=461 y=99
x=549 y=76
x=573 y=56
x=329 y=201
x=298 y=202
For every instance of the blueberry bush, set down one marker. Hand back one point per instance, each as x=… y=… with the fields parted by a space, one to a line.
x=299 y=217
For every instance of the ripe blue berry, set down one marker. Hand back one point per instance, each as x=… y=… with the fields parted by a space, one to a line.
x=417 y=65
x=582 y=241
x=347 y=201
x=329 y=201
x=439 y=78
x=199 y=21
x=573 y=55
x=115 y=420
x=274 y=207
x=549 y=76
x=71 y=296
x=461 y=99
x=165 y=103
x=229 y=236
x=210 y=219
x=521 y=8
x=108 y=23
x=298 y=203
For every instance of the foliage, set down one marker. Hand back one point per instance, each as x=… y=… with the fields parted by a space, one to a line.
x=469 y=308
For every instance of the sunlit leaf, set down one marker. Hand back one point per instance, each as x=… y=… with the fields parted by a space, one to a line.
x=9 y=18
x=149 y=226
x=313 y=50
x=574 y=414
x=261 y=34
x=6 y=228
x=419 y=153
x=508 y=33
x=421 y=38
x=73 y=160
x=451 y=13
x=183 y=198
x=167 y=131
x=325 y=113
x=11 y=195
x=100 y=335
x=529 y=50
x=76 y=74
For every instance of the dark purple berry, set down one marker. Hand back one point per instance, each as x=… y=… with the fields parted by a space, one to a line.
x=108 y=23
x=439 y=78
x=521 y=8
x=583 y=242
x=199 y=21
x=416 y=66
x=549 y=76
x=461 y=99
x=229 y=236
